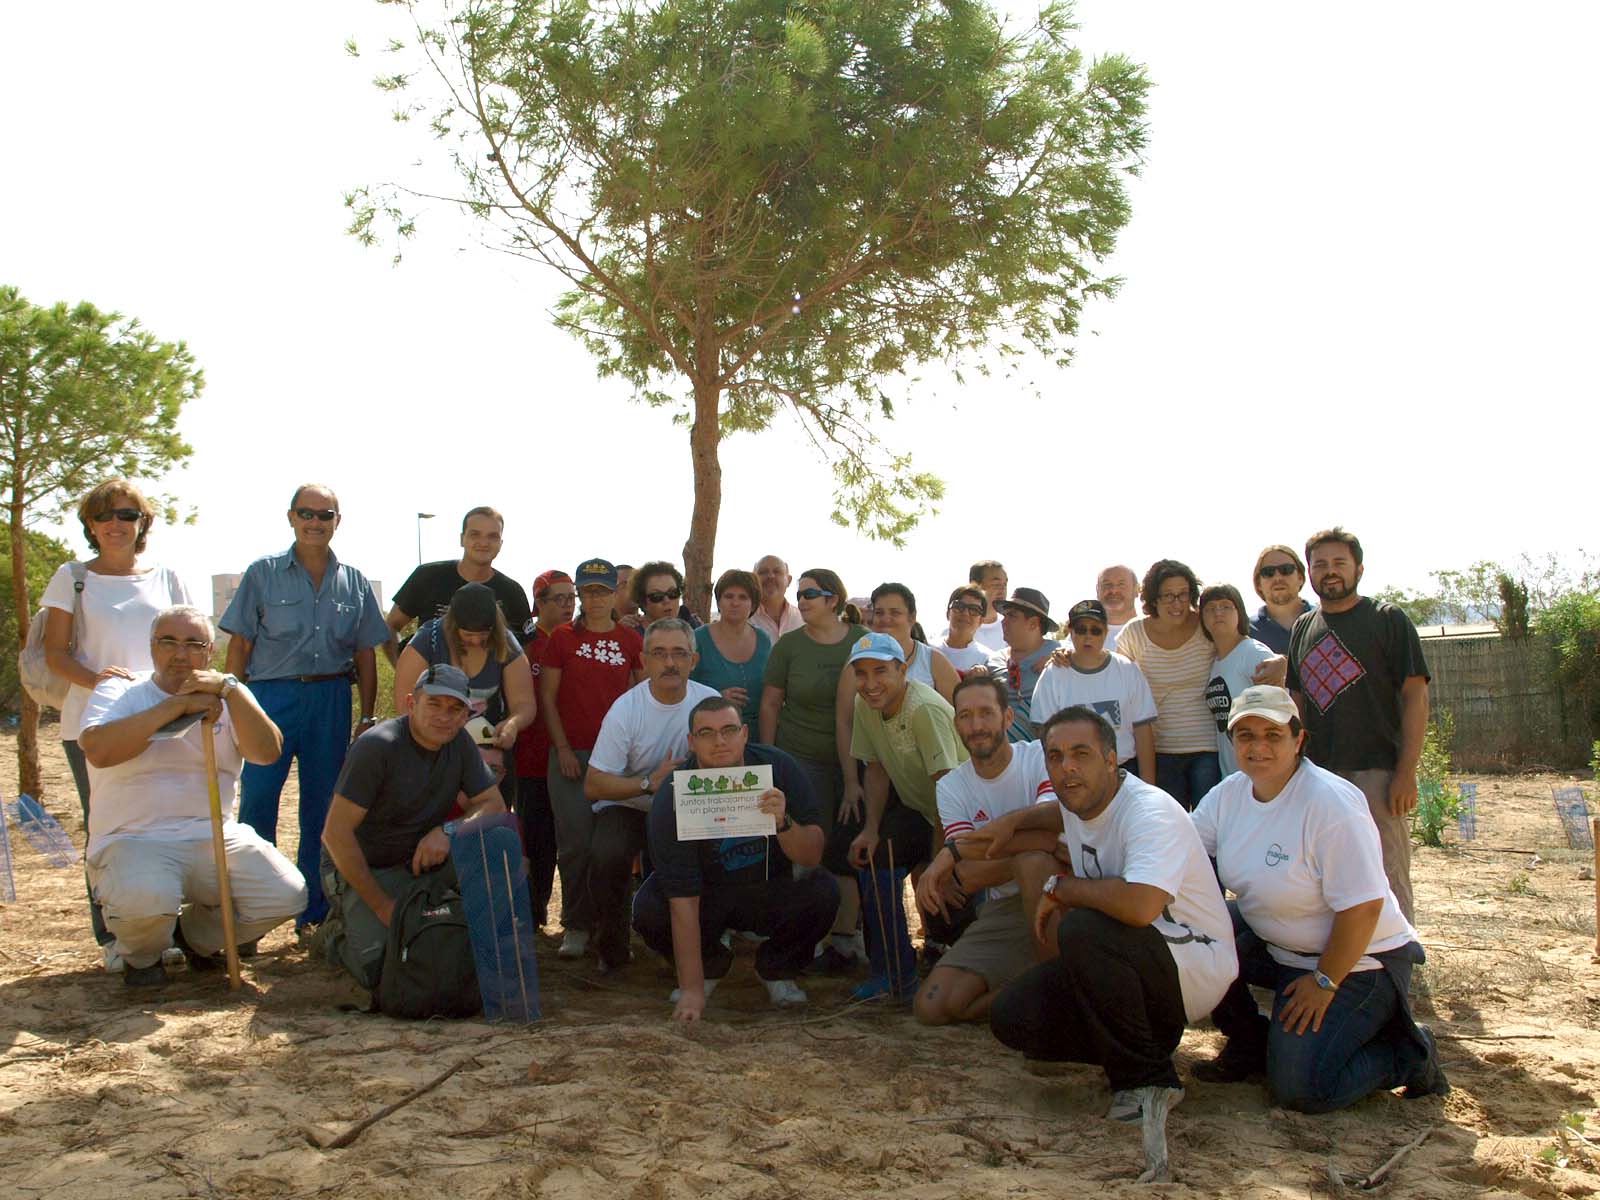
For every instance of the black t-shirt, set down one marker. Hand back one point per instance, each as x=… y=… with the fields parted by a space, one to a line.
x=405 y=788
x=426 y=593
x=689 y=868
x=1350 y=667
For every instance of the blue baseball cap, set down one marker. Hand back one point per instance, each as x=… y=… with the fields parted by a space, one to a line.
x=595 y=571
x=878 y=646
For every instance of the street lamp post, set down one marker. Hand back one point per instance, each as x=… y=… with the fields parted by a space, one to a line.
x=421 y=517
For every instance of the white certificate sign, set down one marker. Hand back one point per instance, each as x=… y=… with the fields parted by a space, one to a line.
x=720 y=802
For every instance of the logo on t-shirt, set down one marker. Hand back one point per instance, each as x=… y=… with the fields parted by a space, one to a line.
x=607 y=652
x=1276 y=855
x=1327 y=670
x=981 y=816
x=1219 y=699
x=1091 y=863
x=1111 y=710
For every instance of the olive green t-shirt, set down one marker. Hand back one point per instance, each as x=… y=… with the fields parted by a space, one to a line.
x=808 y=673
x=914 y=745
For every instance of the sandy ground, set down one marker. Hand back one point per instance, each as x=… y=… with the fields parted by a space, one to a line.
x=196 y=1092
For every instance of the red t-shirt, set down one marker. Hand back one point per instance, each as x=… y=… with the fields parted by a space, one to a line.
x=595 y=669
x=533 y=743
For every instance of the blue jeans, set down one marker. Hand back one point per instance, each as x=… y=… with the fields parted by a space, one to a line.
x=314 y=719
x=1188 y=777
x=1360 y=1048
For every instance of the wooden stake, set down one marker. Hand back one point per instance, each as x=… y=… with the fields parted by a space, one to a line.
x=230 y=940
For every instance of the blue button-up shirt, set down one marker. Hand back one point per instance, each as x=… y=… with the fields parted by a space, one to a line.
x=297 y=629
x=1269 y=633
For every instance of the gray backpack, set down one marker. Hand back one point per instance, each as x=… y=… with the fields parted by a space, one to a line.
x=48 y=689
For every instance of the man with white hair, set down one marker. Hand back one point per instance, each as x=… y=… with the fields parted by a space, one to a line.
x=151 y=862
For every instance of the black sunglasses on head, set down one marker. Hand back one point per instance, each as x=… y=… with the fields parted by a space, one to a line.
x=316 y=514
x=129 y=515
x=658 y=597
x=1284 y=569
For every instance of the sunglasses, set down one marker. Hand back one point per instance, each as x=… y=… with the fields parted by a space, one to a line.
x=966 y=606
x=1284 y=569
x=658 y=597
x=813 y=594
x=316 y=514
x=1088 y=630
x=129 y=515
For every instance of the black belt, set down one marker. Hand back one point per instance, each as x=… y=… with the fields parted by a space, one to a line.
x=305 y=678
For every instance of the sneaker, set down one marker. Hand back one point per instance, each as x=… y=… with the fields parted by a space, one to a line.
x=196 y=960
x=879 y=988
x=677 y=993
x=251 y=948
x=1231 y=1066
x=1128 y=1104
x=784 y=993
x=832 y=962
x=1428 y=1080
x=112 y=957
x=143 y=977
x=574 y=944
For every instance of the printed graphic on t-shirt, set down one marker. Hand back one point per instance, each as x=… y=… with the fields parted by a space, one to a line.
x=739 y=854
x=607 y=652
x=1220 y=701
x=1189 y=934
x=1111 y=710
x=1276 y=855
x=1091 y=863
x=1327 y=670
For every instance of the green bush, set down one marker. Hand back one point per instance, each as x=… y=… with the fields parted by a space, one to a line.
x=1438 y=800
x=1572 y=623
x=44 y=555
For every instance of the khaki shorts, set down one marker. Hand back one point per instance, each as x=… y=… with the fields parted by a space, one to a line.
x=998 y=945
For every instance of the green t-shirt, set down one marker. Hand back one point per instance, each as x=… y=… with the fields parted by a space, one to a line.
x=808 y=673
x=914 y=745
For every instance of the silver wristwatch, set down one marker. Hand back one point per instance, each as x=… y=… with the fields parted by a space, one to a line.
x=1323 y=982
x=229 y=682
x=644 y=785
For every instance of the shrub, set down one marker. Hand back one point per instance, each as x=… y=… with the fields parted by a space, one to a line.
x=1438 y=801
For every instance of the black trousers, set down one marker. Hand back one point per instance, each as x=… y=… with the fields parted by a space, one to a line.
x=794 y=914
x=619 y=834
x=1112 y=999
x=538 y=840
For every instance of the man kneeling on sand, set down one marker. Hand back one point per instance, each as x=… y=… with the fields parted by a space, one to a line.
x=700 y=889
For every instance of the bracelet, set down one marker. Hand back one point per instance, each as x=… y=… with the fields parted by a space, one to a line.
x=955 y=852
x=366 y=719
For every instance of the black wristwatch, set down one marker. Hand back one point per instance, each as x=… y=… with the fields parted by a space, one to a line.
x=955 y=851
x=788 y=824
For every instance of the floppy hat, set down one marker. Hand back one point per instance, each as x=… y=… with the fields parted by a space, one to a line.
x=1263 y=700
x=1030 y=600
x=879 y=646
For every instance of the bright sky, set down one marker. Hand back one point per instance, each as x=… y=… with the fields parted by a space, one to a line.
x=1359 y=283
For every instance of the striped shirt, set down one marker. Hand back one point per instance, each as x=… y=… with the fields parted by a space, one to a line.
x=1184 y=724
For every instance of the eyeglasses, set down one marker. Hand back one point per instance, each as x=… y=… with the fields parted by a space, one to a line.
x=966 y=606
x=813 y=594
x=658 y=597
x=316 y=514
x=173 y=645
x=1284 y=569
x=128 y=515
x=662 y=654
x=558 y=597
x=722 y=733
x=1172 y=597
x=1088 y=631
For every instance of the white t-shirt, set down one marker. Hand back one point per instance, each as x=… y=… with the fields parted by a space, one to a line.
x=161 y=791
x=1293 y=862
x=1229 y=677
x=1116 y=689
x=989 y=633
x=1144 y=836
x=967 y=801
x=118 y=611
x=965 y=658
x=639 y=731
x=1111 y=635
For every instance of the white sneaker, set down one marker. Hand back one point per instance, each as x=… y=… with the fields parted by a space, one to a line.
x=1128 y=1104
x=574 y=944
x=751 y=936
x=112 y=958
x=784 y=992
x=677 y=993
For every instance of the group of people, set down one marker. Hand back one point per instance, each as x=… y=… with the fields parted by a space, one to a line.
x=1068 y=811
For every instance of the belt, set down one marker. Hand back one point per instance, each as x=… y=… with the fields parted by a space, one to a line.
x=304 y=678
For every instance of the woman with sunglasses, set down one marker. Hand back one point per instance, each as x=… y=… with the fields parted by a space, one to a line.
x=733 y=652
x=807 y=703
x=120 y=597
x=1315 y=922
x=656 y=590
x=967 y=611
x=473 y=635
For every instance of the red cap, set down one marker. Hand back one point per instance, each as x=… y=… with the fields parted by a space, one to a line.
x=541 y=585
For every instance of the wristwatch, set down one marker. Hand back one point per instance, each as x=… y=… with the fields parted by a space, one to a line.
x=229 y=682
x=1323 y=981
x=644 y=785
x=955 y=850
x=788 y=823
x=1051 y=883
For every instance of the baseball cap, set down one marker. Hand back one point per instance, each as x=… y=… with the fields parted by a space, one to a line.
x=1087 y=608
x=1263 y=700
x=541 y=585
x=594 y=571
x=473 y=607
x=442 y=679
x=878 y=646
x=1030 y=600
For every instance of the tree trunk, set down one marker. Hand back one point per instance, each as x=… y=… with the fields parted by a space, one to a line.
x=28 y=730
x=704 y=438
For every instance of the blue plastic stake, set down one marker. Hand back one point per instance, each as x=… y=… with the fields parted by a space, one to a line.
x=43 y=832
x=9 y=895
x=1467 y=812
